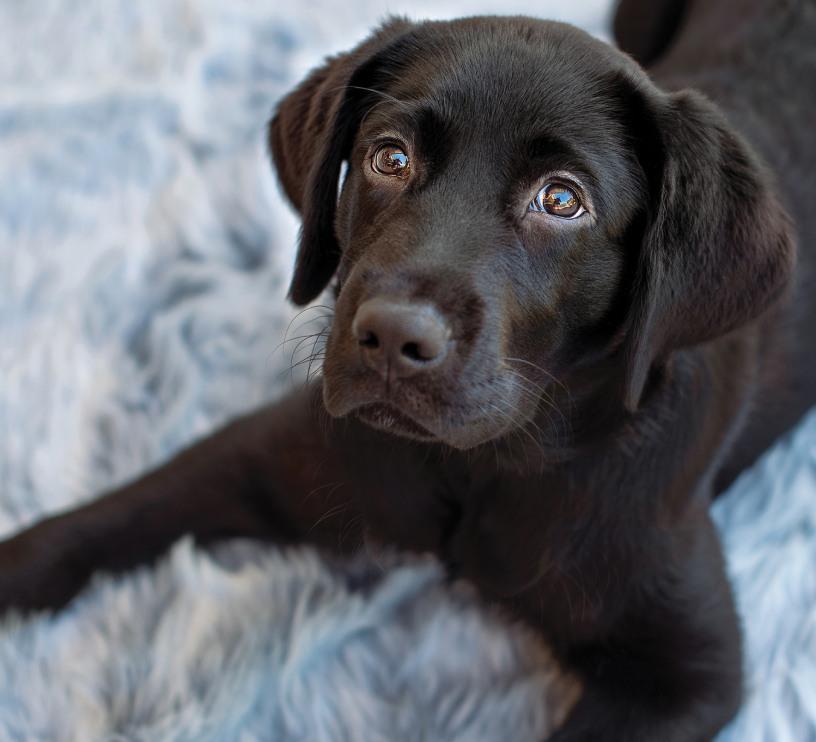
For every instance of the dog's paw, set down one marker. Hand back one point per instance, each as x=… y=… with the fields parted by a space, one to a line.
x=34 y=575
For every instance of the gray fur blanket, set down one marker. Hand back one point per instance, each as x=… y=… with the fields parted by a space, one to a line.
x=144 y=254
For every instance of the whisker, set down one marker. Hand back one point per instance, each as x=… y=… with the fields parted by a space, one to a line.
x=543 y=371
x=515 y=423
x=305 y=339
x=347 y=528
x=301 y=338
x=315 y=352
x=537 y=400
x=286 y=338
x=548 y=397
x=292 y=367
x=343 y=506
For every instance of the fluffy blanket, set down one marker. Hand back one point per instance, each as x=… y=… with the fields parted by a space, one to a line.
x=144 y=254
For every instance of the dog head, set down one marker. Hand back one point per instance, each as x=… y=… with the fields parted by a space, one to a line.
x=521 y=206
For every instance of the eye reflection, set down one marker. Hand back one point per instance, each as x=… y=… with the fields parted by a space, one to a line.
x=390 y=160
x=558 y=200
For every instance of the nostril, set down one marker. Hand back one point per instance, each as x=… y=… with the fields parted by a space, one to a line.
x=411 y=350
x=370 y=340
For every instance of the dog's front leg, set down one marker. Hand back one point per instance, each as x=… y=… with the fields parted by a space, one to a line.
x=271 y=475
x=667 y=667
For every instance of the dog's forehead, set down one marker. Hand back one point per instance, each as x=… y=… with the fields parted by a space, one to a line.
x=497 y=88
x=493 y=68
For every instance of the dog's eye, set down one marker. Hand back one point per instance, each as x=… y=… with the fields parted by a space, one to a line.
x=390 y=160
x=558 y=200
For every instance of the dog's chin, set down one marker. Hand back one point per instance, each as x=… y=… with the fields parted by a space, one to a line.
x=386 y=417
x=393 y=417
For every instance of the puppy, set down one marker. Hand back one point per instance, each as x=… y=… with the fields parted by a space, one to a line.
x=566 y=317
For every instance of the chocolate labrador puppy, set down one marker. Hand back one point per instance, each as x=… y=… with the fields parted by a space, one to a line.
x=566 y=317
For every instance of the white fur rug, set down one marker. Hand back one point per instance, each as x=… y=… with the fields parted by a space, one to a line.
x=144 y=256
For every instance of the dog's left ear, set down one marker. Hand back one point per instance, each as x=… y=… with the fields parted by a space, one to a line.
x=312 y=133
x=718 y=247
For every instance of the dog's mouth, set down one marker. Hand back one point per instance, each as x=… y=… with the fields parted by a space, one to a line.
x=383 y=416
x=415 y=417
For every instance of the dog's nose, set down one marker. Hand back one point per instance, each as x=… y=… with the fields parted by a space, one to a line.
x=398 y=339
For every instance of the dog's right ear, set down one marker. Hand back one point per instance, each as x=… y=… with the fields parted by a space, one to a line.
x=311 y=134
x=719 y=248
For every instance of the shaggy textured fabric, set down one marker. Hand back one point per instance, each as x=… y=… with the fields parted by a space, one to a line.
x=277 y=648
x=144 y=254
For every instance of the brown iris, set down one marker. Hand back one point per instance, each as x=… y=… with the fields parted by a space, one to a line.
x=390 y=160
x=558 y=200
